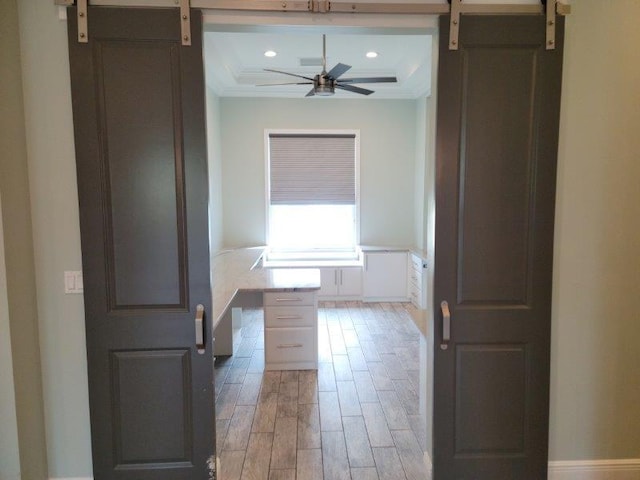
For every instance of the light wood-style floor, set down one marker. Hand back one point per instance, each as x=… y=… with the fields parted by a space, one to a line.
x=356 y=418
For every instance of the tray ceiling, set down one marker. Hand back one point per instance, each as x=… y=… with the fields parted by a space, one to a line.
x=235 y=63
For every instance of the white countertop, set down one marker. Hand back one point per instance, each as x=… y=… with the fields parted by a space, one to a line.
x=239 y=270
x=381 y=248
x=312 y=263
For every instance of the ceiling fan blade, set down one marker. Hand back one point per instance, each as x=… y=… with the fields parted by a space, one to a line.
x=353 y=89
x=338 y=70
x=287 y=73
x=289 y=83
x=370 y=80
x=311 y=93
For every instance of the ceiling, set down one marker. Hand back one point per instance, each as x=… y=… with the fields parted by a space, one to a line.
x=235 y=63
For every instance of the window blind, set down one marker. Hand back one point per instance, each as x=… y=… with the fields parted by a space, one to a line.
x=312 y=169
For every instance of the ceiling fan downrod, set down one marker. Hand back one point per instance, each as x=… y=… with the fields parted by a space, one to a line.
x=324 y=54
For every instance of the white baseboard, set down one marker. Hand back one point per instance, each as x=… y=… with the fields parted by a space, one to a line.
x=428 y=465
x=70 y=478
x=626 y=469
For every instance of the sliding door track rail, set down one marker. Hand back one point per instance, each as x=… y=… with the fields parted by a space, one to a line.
x=455 y=8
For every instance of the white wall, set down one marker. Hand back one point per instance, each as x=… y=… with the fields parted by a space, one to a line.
x=214 y=151
x=387 y=162
x=419 y=174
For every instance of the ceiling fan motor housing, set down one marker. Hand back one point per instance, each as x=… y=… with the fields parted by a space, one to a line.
x=323 y=85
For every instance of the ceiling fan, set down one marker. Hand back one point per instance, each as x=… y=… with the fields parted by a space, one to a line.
x=325 y=83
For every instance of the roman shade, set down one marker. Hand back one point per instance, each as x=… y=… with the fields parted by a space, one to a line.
x=312 y=169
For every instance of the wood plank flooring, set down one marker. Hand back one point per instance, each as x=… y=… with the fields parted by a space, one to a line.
x=356 y=417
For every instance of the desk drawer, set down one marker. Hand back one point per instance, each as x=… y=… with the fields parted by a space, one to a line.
x=303 y=316
x=285 y=345
x=289 y=298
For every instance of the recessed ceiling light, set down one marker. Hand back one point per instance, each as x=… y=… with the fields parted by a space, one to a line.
x=372 y=54
x=270 y=53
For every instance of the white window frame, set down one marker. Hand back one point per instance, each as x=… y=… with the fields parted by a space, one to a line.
x=312 y=131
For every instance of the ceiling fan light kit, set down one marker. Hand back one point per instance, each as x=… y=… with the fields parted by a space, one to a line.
x=325 y=83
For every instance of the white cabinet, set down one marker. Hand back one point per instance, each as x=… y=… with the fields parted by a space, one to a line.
x=344 y=283
x=417 y=281
x=385 y=276
x=328 y=283
x=350 y=282
x=290 y=330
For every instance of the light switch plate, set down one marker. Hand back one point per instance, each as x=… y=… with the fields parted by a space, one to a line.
x=73 y=282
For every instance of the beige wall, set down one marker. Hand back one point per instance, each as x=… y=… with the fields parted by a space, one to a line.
x=9 y=449
x=19 y=260
x=56 y=237
x=595 y=400
x=595 y=394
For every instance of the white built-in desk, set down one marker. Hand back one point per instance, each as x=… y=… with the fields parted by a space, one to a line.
x=288 y=344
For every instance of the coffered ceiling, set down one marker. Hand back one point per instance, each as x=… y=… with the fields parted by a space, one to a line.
x=235 y=63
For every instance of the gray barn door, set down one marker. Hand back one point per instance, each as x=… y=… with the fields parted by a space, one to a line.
x=497 y=138
x=138 y=107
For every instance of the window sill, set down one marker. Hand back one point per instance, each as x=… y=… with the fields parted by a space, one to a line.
x=310 y=263
x=312 y=259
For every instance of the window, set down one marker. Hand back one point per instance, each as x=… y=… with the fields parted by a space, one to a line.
x=312 y=194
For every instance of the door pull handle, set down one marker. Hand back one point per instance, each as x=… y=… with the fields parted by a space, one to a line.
x=200 y=328
x=446 y=325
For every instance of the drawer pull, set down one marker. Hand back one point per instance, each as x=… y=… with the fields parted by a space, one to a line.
x=290 y=345
x=295 y=299
x=289 y=317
